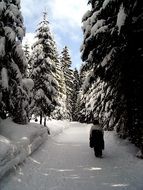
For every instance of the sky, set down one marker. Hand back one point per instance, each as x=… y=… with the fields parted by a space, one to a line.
x=64 y=17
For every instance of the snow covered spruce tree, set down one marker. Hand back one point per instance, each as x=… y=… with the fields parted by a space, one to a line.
x=13 y=95
x=92 y=96
x=26 y=49
x=44 y=71
x=60 y=111
x=69 y=77
x=81 y=114
x=76 y=89
x=111 y=47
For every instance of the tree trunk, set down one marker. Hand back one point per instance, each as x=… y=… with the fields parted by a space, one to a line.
x=45 y=121
x=41 y=118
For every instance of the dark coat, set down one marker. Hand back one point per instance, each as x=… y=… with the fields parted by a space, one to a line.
x=96 y=138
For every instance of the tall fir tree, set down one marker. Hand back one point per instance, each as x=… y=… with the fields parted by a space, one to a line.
x=60 y=111
x=44 y=71
x=76 y=89
x=111 y=48
x=69 y=77
x=13 y=96
x=26 y=49
x=84 y=85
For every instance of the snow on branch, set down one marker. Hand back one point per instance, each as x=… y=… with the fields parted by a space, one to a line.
x=28 y=83
x=10 y=34
x=97 y=25
x=4 y=76
x=121 y=18
x=2 y=7
x=16 y=69
x=19 y=50
x=86 y=15
x=94 y=16
x=2 y=46
x=20 y=32
x=107 y=58
x=106 y=2
x=14 y=10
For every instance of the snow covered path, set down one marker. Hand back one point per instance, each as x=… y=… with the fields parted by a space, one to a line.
x=65 y=162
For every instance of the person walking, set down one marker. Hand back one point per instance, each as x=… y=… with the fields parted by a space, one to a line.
x=96 y=139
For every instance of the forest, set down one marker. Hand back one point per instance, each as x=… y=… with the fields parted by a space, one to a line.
x=40 y=81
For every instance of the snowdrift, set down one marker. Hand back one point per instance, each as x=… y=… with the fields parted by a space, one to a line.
x=17 y=142
x=57 y=126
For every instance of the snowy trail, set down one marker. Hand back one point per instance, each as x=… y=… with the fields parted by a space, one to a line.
x=65 y=162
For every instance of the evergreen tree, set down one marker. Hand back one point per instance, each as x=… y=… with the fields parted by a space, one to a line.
x=13 y=96
x=44 y=71
x=60 y=111
x=76 y=88
x=81 y=107
x=68 y=74
x=84 y=85
x=112 y=32
x=26 y=51
x=27 y=55
x=103 y=30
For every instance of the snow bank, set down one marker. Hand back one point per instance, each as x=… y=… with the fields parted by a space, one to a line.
x=17 y=142
x=57 y=126
x=6 y=150
x=54 y=126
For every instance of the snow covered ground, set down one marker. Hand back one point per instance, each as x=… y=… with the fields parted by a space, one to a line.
x=65 y=162
x=55 y=126
x=17 y=142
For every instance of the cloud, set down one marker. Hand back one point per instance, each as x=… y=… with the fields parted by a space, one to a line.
x=29 y=38
x=32 y=8
x=65 y=22
x=70 y=10
x=63 y=15
x=76 y=61
x=59 y=42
